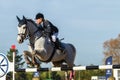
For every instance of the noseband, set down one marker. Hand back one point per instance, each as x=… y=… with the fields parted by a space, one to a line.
x=24 y=35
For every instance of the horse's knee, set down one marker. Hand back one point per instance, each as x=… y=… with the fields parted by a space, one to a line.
x=34 y=52
x=25 y=53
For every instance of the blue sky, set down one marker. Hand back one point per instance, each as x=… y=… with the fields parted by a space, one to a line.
x=85 y=23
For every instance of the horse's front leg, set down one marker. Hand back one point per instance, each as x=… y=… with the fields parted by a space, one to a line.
x=27 y=57
x=34 y=60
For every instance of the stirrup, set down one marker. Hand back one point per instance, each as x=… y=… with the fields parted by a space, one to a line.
x=62 y=50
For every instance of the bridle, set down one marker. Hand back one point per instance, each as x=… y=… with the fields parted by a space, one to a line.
x=25 y=34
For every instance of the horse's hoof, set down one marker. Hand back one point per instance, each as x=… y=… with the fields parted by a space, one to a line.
x=30 y=65
x=36 y=65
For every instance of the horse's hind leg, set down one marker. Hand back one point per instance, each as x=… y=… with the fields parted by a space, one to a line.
x=71 y=56
x=70 y=61
x=56 y=64
x=27 y=57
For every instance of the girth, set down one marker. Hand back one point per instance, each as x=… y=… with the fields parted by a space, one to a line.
x=50 y=58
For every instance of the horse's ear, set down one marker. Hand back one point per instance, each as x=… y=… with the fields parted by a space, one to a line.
x=24 y=18
x=18 y=18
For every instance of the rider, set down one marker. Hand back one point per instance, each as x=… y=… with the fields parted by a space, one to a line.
x=48 y=27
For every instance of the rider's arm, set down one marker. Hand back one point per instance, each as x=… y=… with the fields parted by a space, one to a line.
x=47 y=26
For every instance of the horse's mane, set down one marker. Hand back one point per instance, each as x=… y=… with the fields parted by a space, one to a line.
x=30 y=20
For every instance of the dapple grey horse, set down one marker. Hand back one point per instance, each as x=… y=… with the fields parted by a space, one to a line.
x=40 y=47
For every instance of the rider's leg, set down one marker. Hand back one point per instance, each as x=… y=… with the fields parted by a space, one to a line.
x=57 y=42
x=60 y=46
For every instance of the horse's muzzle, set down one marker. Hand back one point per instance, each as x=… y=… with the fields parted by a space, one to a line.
x=20 y=39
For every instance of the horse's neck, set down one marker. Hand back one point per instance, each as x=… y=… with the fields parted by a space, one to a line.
x=31 y=28
x=31 y=31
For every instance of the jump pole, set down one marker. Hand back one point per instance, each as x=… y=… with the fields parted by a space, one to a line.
x=68 y=68
x=11 y=66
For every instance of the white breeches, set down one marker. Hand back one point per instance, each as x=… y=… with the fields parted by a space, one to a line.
x=54 y=37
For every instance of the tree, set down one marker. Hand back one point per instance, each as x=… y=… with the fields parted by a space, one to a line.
x=18 y=59
x=18 y=64
x=112 y=48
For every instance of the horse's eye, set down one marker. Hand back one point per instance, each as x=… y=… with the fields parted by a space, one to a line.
x=24 y=27
x=19 y=25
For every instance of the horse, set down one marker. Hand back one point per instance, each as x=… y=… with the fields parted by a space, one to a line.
x=41 y=48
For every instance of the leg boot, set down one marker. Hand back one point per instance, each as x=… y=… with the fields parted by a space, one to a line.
x=60 y=46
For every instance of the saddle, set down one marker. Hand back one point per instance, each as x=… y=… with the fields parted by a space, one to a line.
x=59 y=45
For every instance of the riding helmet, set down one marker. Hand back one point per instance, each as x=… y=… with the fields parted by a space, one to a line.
x=39 y=15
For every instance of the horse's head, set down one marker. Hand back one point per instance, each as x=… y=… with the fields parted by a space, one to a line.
x=22 y=29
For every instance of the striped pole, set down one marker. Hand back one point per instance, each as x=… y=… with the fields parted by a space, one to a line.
x=11 y=66
x=68 y=68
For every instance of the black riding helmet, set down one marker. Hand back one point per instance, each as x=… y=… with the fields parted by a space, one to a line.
x=39 y=15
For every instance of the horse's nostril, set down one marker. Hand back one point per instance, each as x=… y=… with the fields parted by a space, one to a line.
x=20 y=41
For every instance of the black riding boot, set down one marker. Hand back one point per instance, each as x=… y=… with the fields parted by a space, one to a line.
x=59 y=45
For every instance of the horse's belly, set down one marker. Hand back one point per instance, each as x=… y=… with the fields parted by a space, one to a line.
x=58 y=56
